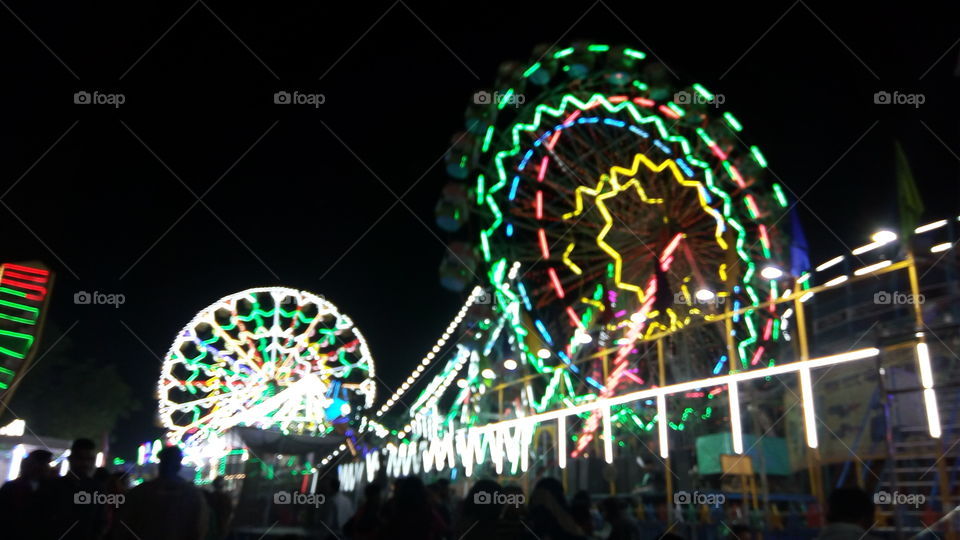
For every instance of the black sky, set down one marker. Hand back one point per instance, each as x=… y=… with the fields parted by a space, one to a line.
x=294 y=191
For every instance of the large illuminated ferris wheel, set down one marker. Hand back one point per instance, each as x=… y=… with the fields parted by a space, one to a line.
x=611 y=209
x=270 y=358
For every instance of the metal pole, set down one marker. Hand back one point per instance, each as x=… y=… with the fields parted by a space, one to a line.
x=813 y=454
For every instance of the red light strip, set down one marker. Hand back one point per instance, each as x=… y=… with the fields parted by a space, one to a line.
x=544 y=249
x=756 y=356
x=574 y=318
x=18 y=275
x=736 y=175
x=667 y=111
x=27 y=269
x=555 y=279
x=717 y=151
x=543 y=168
x=42 y=291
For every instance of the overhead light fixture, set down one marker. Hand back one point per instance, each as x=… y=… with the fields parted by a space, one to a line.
x=543 y=353
x=832 y=262
x=509 y=364
x=872 y=268
x=835 y=281
x=884 y=236
x=488 y=374
x=930 y=226
x=941 y=247
x=771 y=272
x=705 y=295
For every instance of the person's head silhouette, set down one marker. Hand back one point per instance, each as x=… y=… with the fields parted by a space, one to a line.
x=170 y=462
x=36 y=466
x=83 y=458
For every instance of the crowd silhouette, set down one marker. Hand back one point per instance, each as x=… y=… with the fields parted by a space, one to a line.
x=88 y=503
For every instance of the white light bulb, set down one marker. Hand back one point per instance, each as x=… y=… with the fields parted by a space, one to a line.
x=509 y=364
x=705 y=295
x=884 y=237
x=543 y=353
x=771 y=272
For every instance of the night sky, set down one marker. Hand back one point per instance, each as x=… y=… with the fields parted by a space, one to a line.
x=307 y=197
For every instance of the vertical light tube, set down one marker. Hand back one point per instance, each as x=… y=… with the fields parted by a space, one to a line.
x=809 y=413
x=929 y=395
x=735 y=428
x=933 y=413
x=662 y=425
x=562 y=442
x=607 y=436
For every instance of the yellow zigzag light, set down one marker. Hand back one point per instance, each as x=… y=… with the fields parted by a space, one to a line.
x=616 y=188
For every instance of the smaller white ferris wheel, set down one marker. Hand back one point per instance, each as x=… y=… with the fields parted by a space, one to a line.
x=272 y=358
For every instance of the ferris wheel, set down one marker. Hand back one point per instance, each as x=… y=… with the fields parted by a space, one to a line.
x=615 y=207
x=271 y=358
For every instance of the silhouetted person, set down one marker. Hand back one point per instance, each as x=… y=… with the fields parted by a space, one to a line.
x=850 y=514
x=580 y=507
x=622 y=525
x=367 y=522
x=339 y=510
x=440 y=491
x=74 y=504
x=410 y=514
x=165 y=508
x=513 y=515
x=221 y=509
x=549 y=513
x=19 y=505
x=480 y=511
x=114 y=484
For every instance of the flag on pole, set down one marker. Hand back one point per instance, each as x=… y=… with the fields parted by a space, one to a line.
x=908 y=198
